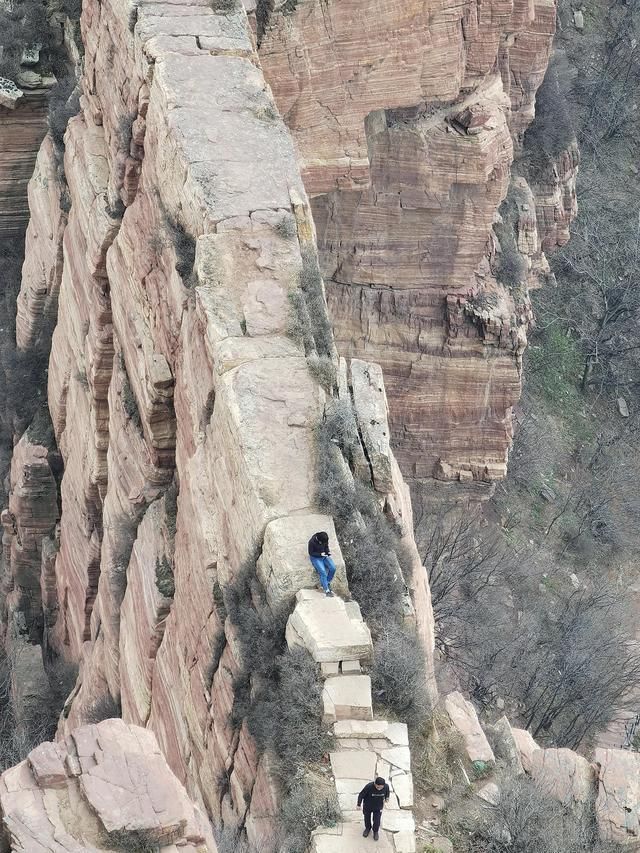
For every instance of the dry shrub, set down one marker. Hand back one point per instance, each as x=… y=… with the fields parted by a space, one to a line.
x=437 y=753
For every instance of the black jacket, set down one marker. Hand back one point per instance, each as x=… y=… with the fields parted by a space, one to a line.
x=318 y=546
x=373 y=800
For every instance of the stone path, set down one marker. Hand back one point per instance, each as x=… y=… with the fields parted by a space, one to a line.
x=337 y=637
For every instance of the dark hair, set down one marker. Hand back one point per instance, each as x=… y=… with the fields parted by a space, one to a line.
x=322 y=536
x=379 y=781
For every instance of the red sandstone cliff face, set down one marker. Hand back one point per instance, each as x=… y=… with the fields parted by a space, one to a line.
x=407 y=124
x=184 y=412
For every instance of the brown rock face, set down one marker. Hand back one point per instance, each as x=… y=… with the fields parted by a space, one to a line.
x=404 y=124
x=555 y=195
x=399 y=259
x=28 y=523
x=21 y=132
x=330 y=74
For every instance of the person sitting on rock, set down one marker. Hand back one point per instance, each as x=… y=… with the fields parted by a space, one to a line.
x=321 y=561
x=372 y=799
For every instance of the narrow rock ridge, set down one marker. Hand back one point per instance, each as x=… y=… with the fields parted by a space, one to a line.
x=183 y=410
x=407 y=126
x=337 y=638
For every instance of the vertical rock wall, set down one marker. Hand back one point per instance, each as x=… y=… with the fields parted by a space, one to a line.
x=22 y=129
x=407 y=122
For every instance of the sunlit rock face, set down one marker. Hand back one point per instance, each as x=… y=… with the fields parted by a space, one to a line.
x=407 y=122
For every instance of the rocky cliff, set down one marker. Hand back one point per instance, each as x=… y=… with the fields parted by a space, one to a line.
x=508 y=777
x=205 y=420
x=23 y=124
x=179 y=260
x=407 y=123
x=106 y=787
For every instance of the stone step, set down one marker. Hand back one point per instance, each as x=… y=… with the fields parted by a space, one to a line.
x=347 y=838
x=331 y=629
x=347 y=697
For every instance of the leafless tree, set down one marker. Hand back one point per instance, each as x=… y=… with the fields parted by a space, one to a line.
x=602 y=260
x=462 y=560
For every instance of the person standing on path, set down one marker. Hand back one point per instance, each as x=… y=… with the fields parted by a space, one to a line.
x=372 y=798
x=320 y=557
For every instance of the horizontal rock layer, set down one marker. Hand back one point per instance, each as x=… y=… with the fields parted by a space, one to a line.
x=406 y=126
x=22 y=129
x=330 y=76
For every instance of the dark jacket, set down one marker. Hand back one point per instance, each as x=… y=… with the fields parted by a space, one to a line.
x=318 y=545
x=373 y=800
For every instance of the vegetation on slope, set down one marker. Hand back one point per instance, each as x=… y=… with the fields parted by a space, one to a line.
x=533 y=594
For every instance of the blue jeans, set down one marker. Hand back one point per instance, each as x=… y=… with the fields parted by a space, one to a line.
x=326 y=569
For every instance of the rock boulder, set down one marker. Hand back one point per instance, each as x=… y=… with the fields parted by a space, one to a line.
x=618 y=801
x=465 y=719
x=119 y=785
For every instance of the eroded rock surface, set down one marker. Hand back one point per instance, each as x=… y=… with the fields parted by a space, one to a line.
x=184 y=411
x=618 y=802
x=407 y=126
x=103 y=784
x=23 y=124
x=564 y=774
x=465 y=719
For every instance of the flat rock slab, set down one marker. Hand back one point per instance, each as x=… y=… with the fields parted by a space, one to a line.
x=47 y=765
x=354 y=764
x=347 y=697
x=405 y=842
x=398 y=757
x=329 y=628
x=402 y=785
x=396 y=734
x=618 y=802
x=465 y=719
x=398 y=820
x=347 y=838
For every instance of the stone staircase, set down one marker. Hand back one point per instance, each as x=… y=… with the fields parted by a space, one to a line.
x=336 y=636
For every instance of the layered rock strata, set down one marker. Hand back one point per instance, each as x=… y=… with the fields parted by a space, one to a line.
x=23 y=124
x=554 y=187
x=184 y=411
x=29 y=525
x=406 y=126
x=103 y=786
x=331 y=76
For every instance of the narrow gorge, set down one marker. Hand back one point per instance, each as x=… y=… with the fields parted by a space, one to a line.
x=277 y=278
